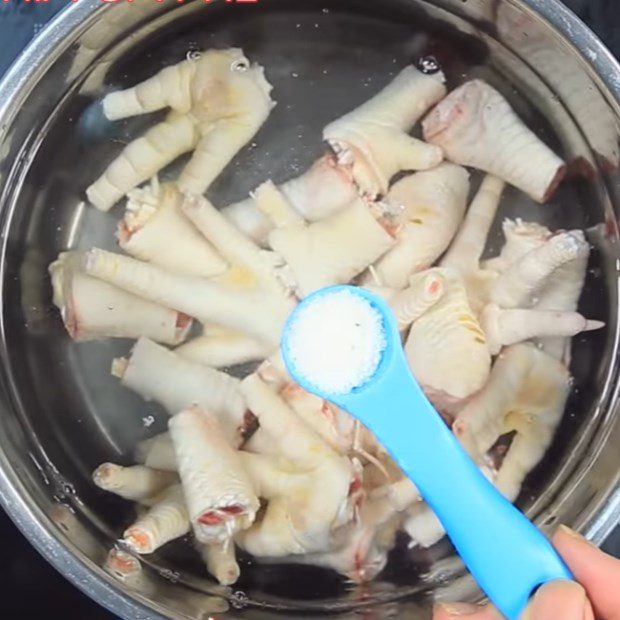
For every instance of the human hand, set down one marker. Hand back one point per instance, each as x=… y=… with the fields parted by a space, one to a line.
x=597 y=593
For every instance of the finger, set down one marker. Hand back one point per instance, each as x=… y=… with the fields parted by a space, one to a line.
x=597 y=572
x=454 y=611
x=559 y=599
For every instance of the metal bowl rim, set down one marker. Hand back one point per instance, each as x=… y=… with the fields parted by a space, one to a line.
x=15 y=87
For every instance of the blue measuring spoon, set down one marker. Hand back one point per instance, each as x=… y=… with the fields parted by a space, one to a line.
x=507 y=555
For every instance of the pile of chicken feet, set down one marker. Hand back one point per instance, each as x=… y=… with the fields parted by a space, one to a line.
x=257 y=463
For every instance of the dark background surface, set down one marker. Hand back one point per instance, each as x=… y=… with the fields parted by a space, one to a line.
x=29 y=587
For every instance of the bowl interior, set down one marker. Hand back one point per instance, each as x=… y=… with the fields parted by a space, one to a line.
x=323 y=59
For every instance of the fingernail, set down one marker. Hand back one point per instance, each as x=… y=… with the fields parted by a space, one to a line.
x=458 y=609
x=574 y=535
x=567 y=530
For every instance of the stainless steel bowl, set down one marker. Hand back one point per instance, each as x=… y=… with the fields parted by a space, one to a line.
x=62 y=414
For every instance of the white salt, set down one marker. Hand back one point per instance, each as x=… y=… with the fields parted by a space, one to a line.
x=336 y=341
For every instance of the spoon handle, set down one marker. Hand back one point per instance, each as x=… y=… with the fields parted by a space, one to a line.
x=507 y=555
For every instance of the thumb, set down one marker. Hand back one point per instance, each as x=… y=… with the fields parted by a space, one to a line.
x=598 y=573
x=465 y=611
x=559 y=599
